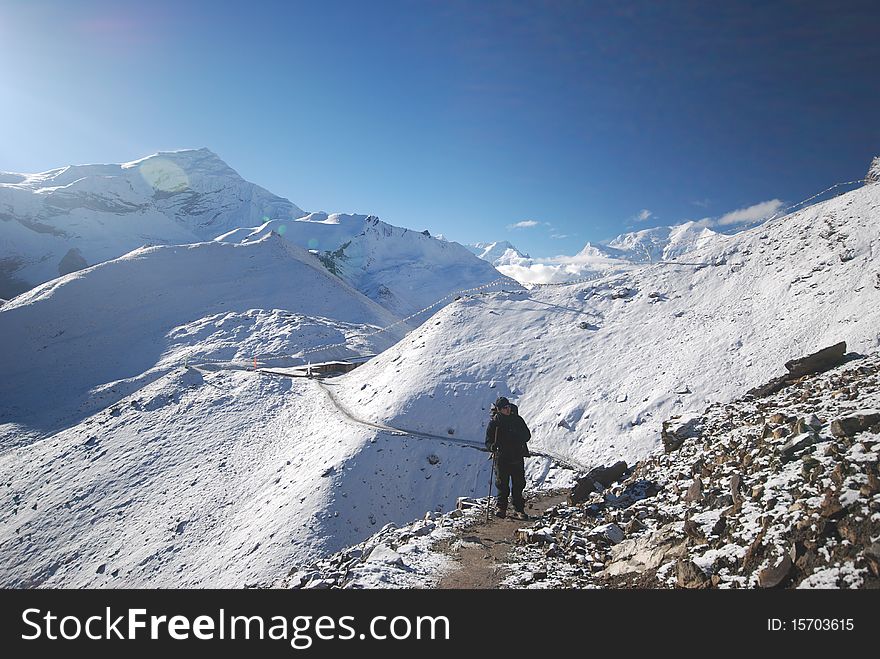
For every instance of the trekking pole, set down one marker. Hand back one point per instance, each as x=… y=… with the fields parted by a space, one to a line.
x=489 y=497
x=491 y=474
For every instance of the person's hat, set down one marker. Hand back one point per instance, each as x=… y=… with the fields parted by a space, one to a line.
x=501 y=402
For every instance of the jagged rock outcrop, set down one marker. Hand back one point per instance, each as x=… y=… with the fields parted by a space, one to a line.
x=816 y=362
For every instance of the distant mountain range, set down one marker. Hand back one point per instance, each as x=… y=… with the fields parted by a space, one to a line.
x=638 y=247
x=57 y=222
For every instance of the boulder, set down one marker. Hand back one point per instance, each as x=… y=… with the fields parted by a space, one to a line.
x=610 y=532
x=814 y=363
x=772 y=576
x=854 y=423
x=677 y=430
x=596 y=480
x=385 y=555
x=695 y=491
x=688 y=574
x=798 y=443
x=817 y=362
x=647 y=552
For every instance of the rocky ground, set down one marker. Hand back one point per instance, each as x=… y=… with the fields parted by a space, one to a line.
x=763 y=492
x=780 y=491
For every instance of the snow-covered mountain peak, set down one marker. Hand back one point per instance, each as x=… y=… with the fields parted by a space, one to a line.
x=403 y=270
x=203 y=160
x=74 y=216
x=661 y=243
x=498 y=253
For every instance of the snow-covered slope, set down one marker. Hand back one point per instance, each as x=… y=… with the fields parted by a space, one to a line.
x=403 y=270
x=151 y=473
x=62 y=220
x=597 y=367
x=211 y=479
x=82 y=342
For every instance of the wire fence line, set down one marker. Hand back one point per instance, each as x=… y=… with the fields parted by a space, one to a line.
x=565 y=461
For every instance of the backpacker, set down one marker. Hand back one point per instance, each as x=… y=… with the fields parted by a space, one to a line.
x=514 y=411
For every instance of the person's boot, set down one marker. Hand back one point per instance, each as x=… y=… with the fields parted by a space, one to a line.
x=501 y=512
x=520 y=514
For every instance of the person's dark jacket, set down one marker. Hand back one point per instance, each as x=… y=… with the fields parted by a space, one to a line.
x=507 y=435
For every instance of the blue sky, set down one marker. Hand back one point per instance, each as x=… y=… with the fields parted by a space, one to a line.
x=581 y=120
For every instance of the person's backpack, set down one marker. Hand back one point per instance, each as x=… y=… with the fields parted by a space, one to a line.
x=514 y=411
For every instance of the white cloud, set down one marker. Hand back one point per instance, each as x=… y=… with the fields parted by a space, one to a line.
x=754 y=213
x=643 y=215
x=702 y=203
x=560 y=269
x=559 y=235
x=525 y=224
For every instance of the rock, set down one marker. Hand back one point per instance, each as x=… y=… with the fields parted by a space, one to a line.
x=681 y=389
x=872 y=556
x=831 y=508
x=870 y=488
x=647 y=552
x=720 y=526
x=677 y=430
x=850 y=425
x=798 y=443
x=695 y=491
x=817 y=362
x=781 y=432
x=634 y=526
x=688 y=575
x=611 y=532
x=384 y=554
x=771 y=577
x=318 y=584
x=736 y=486
x=596 y=480
x=777 y=419
x=423 y=529
x=693 y=531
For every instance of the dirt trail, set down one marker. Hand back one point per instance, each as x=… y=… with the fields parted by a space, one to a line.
x=481 y=549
